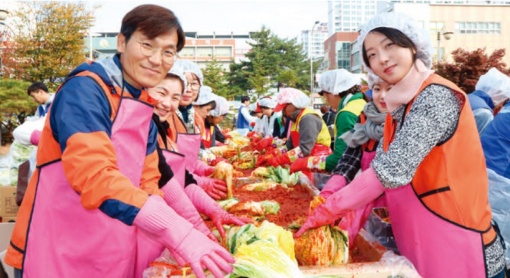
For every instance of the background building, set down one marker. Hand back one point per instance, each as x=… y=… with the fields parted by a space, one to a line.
x=466 y=24
x=316 y=37
x=225 y=48
x=348 y=15
x=104 y=44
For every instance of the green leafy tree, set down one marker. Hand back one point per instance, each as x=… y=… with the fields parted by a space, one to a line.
x=468 y=66
x=238 y=79
x=15 y=106
x=48 y=40
x=272 y=63
x=214 y=77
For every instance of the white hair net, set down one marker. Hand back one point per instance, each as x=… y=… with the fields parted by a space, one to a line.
x=337 y=81
x=184 y=66
x=222 y=107
x=405 y=24
x=205 y=96
x=181 y=77
x=267 y=102
x=496 y=84
x=373 y=79
x=293 y=96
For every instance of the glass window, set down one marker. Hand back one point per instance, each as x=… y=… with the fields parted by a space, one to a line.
x=204 y=51
x=223 y=51
x=187 y=52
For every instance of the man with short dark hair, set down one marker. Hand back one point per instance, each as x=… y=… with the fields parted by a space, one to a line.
x=244 y=119
x=99 y=210
x=39 y=92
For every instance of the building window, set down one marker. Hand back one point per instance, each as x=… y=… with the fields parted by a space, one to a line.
x=187 y=52
x=223 y=51
x=478 y=27
x=204 y=51
x=436 y=26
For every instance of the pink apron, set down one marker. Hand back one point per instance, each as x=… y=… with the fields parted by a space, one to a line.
x=436 y=247
x=148 y=249
x=189 y=146
x=64 y=236
x=177 y=163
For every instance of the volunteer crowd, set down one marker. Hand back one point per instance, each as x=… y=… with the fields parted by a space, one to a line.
x=119 y=176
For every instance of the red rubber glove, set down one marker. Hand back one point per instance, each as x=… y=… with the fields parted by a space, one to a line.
x=300 y=164
x=362 y=190
x=262 y=159
x=263 y=144
x=279 y=160
x=215 y=188
x=335 y=183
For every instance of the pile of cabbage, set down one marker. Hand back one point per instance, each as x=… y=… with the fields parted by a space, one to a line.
x=264 y=251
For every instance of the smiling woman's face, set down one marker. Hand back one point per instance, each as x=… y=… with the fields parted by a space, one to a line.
x=387 y=59
x=167 y=95
x=192 y=89
x=379 y=91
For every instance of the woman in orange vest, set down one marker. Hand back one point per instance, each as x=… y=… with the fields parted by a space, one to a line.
x=429 y=164
x=362 y=142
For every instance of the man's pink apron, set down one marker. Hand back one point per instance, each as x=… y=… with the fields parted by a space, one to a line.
x=67 y=240
x=149 y=249
x=419 y=234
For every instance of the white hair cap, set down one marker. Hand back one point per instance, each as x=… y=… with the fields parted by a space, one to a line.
x=222 y=107
x=267 y=102
x=205 y=96
x=373 y=79
x=293 y=96
x=405 y=24
x=337 y=81
x=184 y=66
x=496 y=84
x=181 y=77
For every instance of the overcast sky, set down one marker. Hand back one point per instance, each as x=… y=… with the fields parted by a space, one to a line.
x=286 y=18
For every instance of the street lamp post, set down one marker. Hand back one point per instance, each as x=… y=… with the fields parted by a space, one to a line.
x=311 y=55
x=447 y=36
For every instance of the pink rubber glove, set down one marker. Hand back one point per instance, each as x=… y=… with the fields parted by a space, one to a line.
x=34 y=137
x=207 y=206
x=202 y=169
x=335 y=183
x=215 y=188
x=362 y=190
x=354 y=220
x=177 y=199
x=164 y=225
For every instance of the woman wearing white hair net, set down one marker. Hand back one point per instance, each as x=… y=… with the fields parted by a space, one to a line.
x=492 y=90
x=269 y=116
x=314 y=141
x=496 y=147
x=185 y=118
x=429 y=163
x=212 y=132
x=187 y=125
x=362 y=142
x=340 y=89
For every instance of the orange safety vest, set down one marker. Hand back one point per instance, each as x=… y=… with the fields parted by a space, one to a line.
x=176 y=126
x=452 y=180
x=50 y=153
